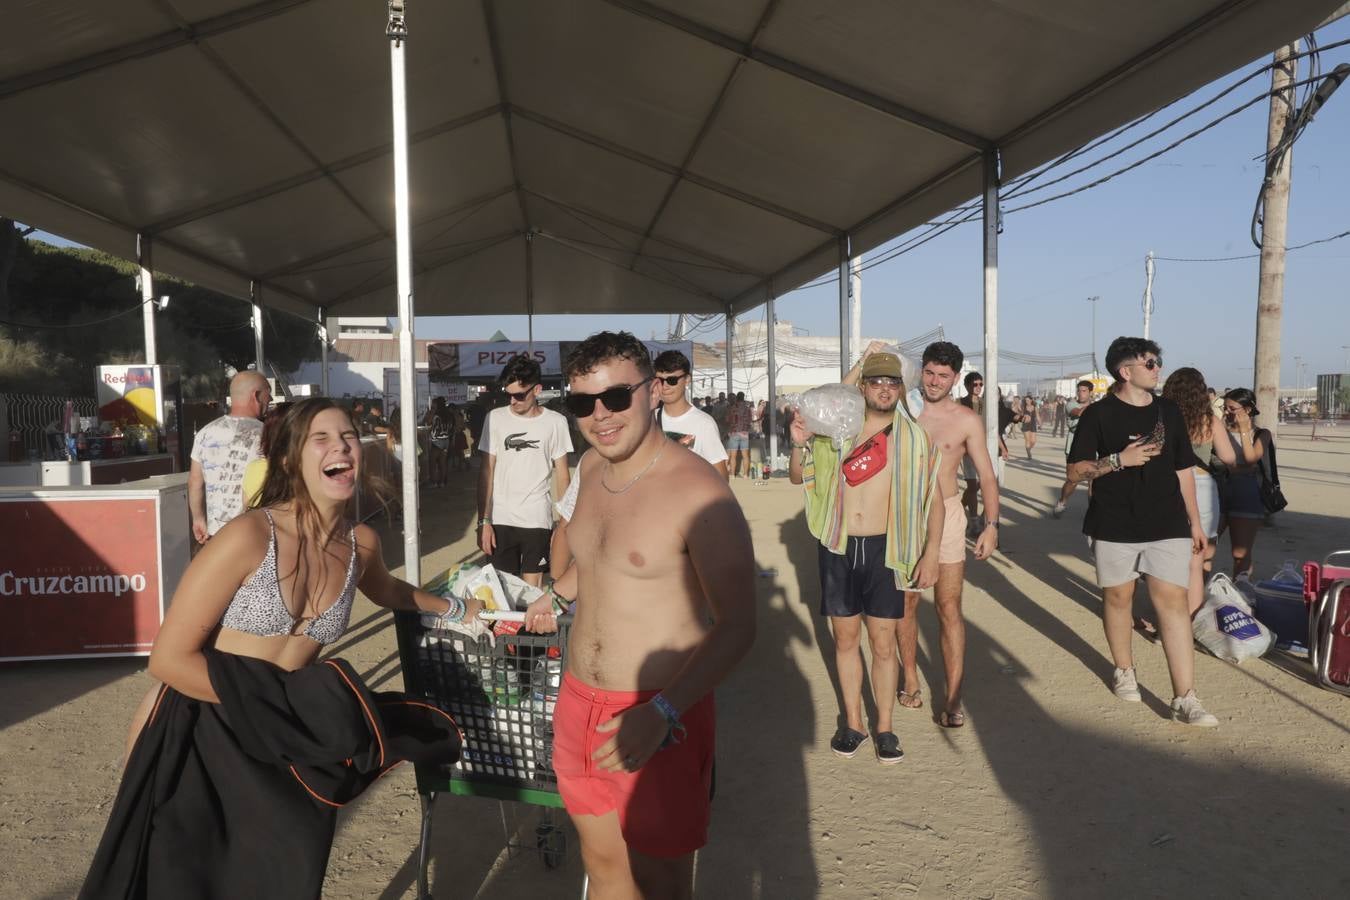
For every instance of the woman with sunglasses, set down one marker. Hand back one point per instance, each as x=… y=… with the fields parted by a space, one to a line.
x=1242 y=491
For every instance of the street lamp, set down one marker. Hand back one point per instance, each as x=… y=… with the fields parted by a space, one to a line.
x=1298 y=373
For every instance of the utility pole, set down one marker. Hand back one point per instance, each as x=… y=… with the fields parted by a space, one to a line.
x=1148 y=291
x=1298 y=374
x=1275 y=218
x=1093 y=301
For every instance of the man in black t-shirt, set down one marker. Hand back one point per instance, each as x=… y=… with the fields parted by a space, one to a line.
x=1142 y=517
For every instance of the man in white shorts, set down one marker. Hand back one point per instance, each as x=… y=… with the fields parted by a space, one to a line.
x=1142 y=517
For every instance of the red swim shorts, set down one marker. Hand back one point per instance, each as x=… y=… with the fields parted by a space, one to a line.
x=664 y=806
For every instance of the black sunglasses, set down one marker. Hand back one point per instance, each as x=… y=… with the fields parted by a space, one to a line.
x=616 y=399
x=671 y=380
x=1151 y=364
x=519 y=396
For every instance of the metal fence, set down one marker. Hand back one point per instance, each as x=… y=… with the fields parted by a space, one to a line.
x=28 y=415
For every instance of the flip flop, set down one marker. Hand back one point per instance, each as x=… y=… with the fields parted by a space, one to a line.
x=952 y=719
x=910 y=699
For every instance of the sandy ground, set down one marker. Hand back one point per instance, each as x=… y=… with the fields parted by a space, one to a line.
x=1054 y=788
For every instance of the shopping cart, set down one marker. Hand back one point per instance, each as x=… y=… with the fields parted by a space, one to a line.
x=502 y=697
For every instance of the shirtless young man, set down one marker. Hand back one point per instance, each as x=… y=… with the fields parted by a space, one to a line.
x=664 y=581
x=858 y=503
x=958 y=433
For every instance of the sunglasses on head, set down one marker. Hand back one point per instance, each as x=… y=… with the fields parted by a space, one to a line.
x=616 y=399
x=671 y=380
x=520 y=396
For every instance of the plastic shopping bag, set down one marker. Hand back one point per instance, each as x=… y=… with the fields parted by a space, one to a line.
x=1225 y=625
x=833 y=410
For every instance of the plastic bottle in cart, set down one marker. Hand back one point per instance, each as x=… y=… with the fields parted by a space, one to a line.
x=1289 y=573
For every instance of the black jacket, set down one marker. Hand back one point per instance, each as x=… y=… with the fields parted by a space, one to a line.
x=239 y=799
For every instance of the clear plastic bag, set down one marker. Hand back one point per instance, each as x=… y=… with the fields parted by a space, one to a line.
x=833 y=410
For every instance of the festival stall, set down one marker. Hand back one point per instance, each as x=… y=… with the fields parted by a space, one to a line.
x=88 y=570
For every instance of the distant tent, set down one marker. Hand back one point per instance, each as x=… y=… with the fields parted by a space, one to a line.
x=498 y=336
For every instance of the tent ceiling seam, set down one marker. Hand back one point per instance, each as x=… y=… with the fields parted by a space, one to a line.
x=252 y=98
x=499 y=71
x=804 y=73
x=652 y=163
x=181 y=36
x=691 y=288
x=299 y=266
x=637 y=230
x=901 y=201
x=294 y=181
x=365 y=287
x=765 y=15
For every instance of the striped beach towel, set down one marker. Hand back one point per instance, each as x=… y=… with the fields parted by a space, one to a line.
x=913 y=487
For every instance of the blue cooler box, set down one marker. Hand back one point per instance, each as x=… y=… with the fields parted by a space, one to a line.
x=1280 y=607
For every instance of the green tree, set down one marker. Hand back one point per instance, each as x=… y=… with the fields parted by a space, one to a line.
x=73 y=309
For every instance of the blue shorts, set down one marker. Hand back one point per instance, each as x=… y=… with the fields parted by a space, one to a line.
x=738 y=442
x=857 y=581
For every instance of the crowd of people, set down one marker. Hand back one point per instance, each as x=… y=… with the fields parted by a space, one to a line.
x=647 y=547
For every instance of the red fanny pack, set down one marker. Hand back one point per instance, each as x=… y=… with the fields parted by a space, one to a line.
x=867 y=459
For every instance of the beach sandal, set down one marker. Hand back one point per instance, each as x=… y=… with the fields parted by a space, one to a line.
x=955 y=719
x=910 y=699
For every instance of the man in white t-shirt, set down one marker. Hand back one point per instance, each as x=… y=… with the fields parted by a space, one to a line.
x=221 y=451
x=524 y=448
x=680 y=419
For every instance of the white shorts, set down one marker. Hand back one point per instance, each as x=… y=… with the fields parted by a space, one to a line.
x=1207 y=498
x=1167 y=560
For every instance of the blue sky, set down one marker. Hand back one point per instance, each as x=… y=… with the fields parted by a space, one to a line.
x=1195 y=201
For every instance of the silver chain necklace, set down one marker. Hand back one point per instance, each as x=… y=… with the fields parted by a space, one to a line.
x=634 y=480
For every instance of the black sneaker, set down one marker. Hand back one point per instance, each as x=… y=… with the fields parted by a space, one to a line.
x=888 y=749
x=846 y=742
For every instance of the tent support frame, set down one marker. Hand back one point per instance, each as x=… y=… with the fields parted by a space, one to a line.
x=991 y=229
x=397 y=32
x=147 y=283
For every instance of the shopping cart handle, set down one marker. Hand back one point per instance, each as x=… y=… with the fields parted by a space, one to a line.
x=501 y=615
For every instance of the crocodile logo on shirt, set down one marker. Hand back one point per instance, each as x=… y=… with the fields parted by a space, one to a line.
x=515 y=442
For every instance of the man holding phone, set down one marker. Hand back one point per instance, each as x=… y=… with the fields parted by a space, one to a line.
x=1142 y=517
x=876 y=508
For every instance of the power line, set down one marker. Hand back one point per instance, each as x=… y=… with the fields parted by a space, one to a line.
x=45 y=325
x=1206 y=259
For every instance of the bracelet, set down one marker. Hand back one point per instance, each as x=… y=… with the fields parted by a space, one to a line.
x=993 y=525
x=484 y=521
x=558 y=601
x=677 y=732
x=455 y=612
x=1116 y=464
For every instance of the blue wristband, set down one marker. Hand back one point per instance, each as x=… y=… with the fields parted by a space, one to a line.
x=677 y=731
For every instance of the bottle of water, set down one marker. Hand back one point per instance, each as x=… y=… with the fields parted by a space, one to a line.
x=1289 y=573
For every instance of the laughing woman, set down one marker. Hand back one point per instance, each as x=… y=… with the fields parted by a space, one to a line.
x=232 y=786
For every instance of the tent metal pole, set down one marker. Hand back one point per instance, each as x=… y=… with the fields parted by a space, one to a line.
x=397 y=32
x=855 y=305
x=845 y=331
x=255 y=300
x=770 y=360
x=323 y=355
x=147 y=281
x=529 y=287
x=731 y=329
x=991 y=394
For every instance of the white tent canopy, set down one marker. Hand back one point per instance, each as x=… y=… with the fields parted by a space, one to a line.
x=579 y=156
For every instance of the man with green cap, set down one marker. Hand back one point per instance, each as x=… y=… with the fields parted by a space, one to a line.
x=875 y=507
